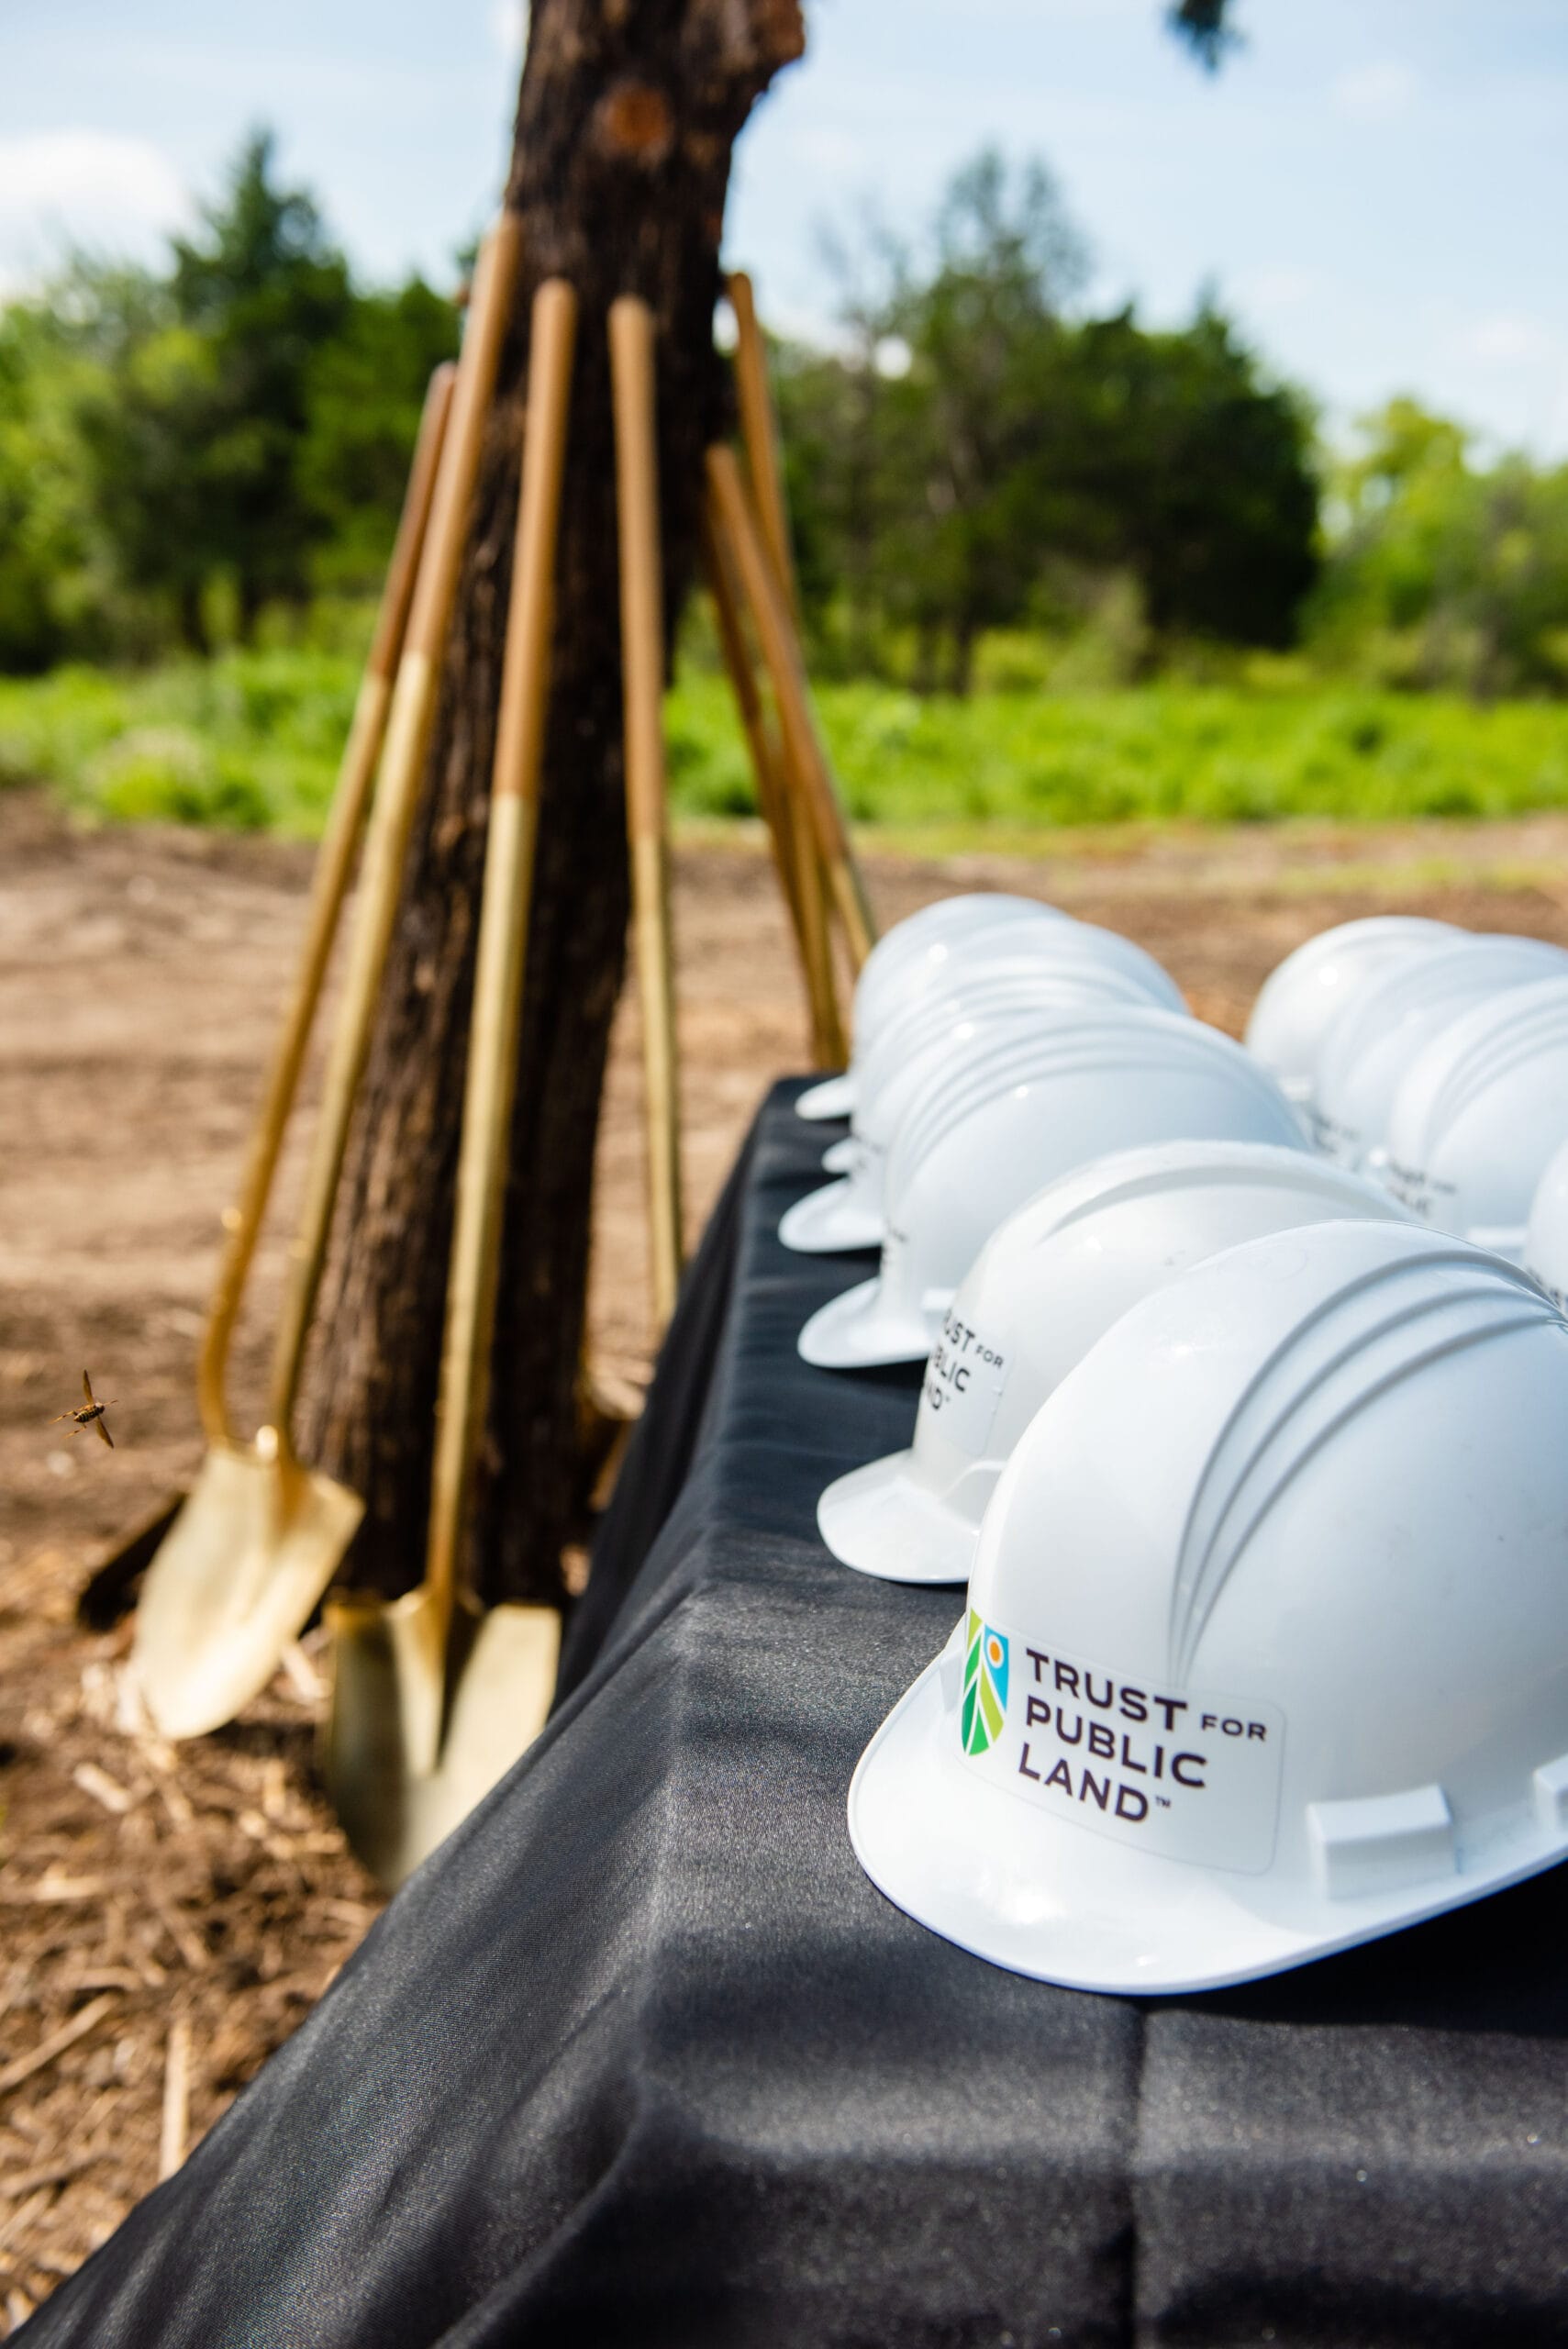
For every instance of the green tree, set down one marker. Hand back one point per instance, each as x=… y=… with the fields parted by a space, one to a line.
x=244 y=418
x=265 y=291
x=976 y=454
x=195 y=427
x=983 y=332
x=40 y=538
x=1443 y=572
x=363 y=396
x=1179 y=463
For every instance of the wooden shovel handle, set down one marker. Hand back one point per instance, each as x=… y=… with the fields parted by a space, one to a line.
x=491 y=1080
x=643 y=687
x=402 y=770
x=329 y=885
x=785 y=813
x=403 y=573
x=781 y=652
x=760 y=435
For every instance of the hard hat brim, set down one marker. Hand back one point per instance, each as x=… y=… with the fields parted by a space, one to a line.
x=1039 y=1896
x=828 y=1221
x=882 y=1520
x=859 y=1330
x=834 y=1097
x=838 y=1156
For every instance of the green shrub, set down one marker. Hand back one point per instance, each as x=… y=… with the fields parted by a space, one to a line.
x=253 y=740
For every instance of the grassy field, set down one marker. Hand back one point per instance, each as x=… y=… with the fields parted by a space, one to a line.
x=250 y=740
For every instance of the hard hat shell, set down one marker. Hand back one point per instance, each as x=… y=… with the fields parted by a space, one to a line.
x=1480 y=1111
x=1048 y=1283
x=1298 y=999
x=1379 y=1032
x=1546 y=1237
x=931 y=933
x=915 y=1053
x=946 y=963
x=1300 y=1679
x=1026 y=1111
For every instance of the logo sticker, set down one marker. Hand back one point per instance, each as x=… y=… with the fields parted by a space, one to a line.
x=963 y=1382
x=1186 y=1773
x=985 y=1709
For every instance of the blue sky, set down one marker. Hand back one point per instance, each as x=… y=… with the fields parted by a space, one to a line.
x=1377 y=188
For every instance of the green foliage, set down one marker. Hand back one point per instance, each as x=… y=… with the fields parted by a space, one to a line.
x=1012 y=762
x=974 y=457
x=52 y=574
x=365 y=391
x=180 y=450
x=251 y=739
x=1444 y=574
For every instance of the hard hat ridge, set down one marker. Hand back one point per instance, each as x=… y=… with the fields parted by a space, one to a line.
x=1383 y=1028
x=1382 y=1326
x=1273 y=1592
x=1480 y=1111
x=972 y=1155
x=1301 y=996
x=1489 y=1057
x=918 y=954
x=1052 y=1279
x=1118 y=1041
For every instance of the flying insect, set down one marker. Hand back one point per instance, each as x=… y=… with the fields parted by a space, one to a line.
x=89 y=1414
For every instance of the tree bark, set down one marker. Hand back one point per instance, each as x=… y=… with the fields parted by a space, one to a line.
x=627 y=114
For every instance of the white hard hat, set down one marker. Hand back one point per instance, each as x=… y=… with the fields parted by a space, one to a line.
x=930 y=936
x=1267 y=1645
x=1026 y=1111
x=948 y=961
x=1297 y=1000
x=914 y=1055
x=1382 y=1030
x=1047 y=1284
x=1546 y=1240
x=1478 y=1114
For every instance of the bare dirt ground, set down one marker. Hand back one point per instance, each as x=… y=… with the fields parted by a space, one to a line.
x=168 y=1916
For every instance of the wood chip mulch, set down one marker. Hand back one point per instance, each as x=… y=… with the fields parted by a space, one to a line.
x=168 y=1916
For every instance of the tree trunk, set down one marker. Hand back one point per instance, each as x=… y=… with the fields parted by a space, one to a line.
x=191 y=620
x=961 y=671
x=627 y=117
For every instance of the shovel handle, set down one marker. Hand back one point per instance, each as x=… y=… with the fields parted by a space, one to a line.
x=759 y=438
x=328 y=887
x=646 y=812
x=402 y=769
x=491 y=1082
x=785 y=813
x=781 y=654
x=760 y=435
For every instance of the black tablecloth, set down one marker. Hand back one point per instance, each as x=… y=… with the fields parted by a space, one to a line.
x=641 y=2058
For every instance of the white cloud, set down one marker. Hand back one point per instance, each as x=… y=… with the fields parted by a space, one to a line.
x=509 y=29
x=1508 y=339
x=112 y=194
x=1375 y=92
x=1272 y=287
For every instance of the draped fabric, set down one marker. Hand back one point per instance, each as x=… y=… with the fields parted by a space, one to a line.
x=640 y=2056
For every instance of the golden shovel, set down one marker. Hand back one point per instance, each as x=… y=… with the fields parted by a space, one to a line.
x=759 y=438
x=741 y=535
x=433 y=1699
x=329 y=885
x=642 y=685
x=260 y=1537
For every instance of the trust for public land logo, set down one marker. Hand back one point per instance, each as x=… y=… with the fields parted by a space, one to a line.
x=985 y=1705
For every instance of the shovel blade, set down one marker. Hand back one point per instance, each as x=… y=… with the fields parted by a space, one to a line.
x=414 y=1738
x=237 y=1577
